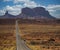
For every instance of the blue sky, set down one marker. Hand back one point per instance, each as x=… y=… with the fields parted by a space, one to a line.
x=14 y=6
x=46 y=2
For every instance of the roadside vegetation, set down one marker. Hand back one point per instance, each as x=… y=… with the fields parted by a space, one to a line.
x=7 y=37
x=41 y=37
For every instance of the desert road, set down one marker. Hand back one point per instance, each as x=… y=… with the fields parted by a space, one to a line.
x=19 y=42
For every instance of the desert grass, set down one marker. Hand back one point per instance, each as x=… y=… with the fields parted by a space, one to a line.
x=29 y=32
x=7 y=37
x=35 y=32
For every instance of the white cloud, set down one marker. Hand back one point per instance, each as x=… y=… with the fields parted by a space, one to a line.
x=31 y=4
x=53 y=6
x=2 y=12
x=27 y=3
x=7 y=0
x=17 y=1
x=53 y=9
x=14 y=10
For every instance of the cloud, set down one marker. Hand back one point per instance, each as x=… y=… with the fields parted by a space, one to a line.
x=7 y=0
x=14 y=10
x=53 y=6
x=26 y=3
x=18 y=1
x=2 y=12
x=31 y=4
x=54 y=10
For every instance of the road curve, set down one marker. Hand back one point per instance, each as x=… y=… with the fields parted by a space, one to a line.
x=19 y=42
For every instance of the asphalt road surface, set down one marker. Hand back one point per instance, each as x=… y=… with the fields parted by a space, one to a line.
x=19 y=42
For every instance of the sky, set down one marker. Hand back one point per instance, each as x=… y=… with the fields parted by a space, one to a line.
x=14 y=7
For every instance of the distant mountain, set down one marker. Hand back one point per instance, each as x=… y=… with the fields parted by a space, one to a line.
x=7 y=15
x=28 y=11
x=41 y=12
x=36 y=13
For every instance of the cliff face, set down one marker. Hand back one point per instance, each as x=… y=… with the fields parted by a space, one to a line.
x=38 y=12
